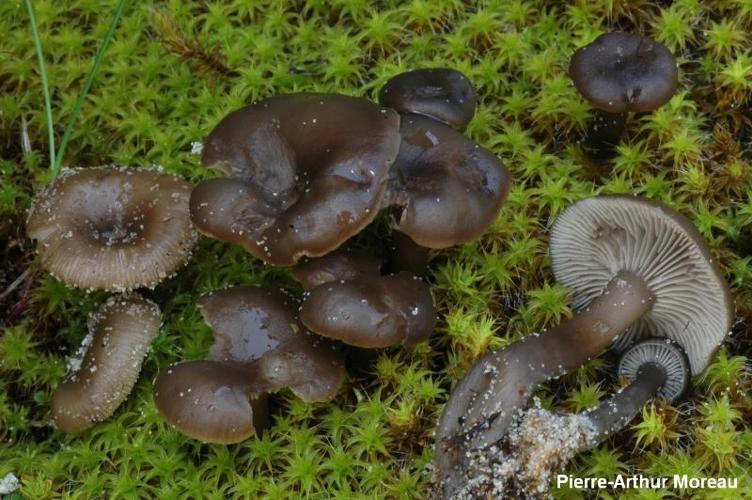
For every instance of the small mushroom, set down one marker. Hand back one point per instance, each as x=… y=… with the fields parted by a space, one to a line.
x=211 y=401
x=620 y=73
x=540 y=443
x=257 y=328
x=636 y=266
x=371 y=311
x=307 y=171
x=120 y=334
x=448 y=189
x=440 y=93
x=113 y=228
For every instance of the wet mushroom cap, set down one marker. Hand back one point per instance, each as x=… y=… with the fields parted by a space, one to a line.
x=596 y=238
x=120 y=334
x=622 y=72
x=336 y=266
x=113 y=228
x=440 y=93
x=375 y=311
x=257 y=329
x=210 y=401
x=307 y=171
x=448 y=188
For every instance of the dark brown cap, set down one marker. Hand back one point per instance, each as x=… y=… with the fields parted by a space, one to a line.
x=113 y=228
x=597 y=238
x=307 y=172
x=337 y=266
x=448 y=188
x=440 y=93
x=211 y=401
x=260 y=328
x=120 y=334
x=622 y=72
x=371 y=311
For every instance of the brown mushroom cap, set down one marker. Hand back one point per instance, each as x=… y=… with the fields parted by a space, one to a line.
x=210 y=401
x=441 y=93
x=449 y=188
x=371 y=311
x=622 y=72
x=598 y=237
x=260 y=329
x=336 y=266
x=308 y=171
x=113 y=228
x=120 y=334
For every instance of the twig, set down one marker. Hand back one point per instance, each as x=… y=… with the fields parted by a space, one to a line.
x=15 y=283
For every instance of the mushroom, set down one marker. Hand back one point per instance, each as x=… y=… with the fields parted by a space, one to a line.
x=211 y=401
x=448 y=188
x=406 y=255
x=635 y=266
x=348 y=300
x=440 y=93
x=620 y=73
x=108 y=362
x=259 y=347
x=113 y=228
x=307 y=171
x=541 y=443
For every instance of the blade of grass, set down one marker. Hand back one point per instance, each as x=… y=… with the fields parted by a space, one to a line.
x=87 y=85
x=45 y=84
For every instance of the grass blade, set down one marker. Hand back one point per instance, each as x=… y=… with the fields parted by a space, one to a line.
x=45 y=84
x=87 y=85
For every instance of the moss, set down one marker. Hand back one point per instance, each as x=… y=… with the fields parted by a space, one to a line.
x=175 y=68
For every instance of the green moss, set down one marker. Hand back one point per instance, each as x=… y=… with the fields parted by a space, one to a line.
x=175 y=68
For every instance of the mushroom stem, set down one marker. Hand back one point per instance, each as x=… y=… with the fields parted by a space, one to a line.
x=614 y=413
x=486 y=400
x=604 y=134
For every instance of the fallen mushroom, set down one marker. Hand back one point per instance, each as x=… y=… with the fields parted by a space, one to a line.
x=635 y=266
x=113 y=228
x=540 y=443
x=362 y=308
x=259 y=347
x=307 y=171
x=447 y=188
x=443 y=94
x=120 y=334
x=620 y=73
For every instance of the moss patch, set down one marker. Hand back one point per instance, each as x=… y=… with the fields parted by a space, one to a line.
x=175 y=68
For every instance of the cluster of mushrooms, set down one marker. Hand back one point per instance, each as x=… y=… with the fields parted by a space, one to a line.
x=306 y=172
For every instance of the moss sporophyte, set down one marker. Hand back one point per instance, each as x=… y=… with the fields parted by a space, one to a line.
x=457 y=99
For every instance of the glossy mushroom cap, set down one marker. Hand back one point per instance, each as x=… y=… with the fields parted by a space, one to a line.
x=371 y=311
x=113 y=228
x=448 y=188
x=336 y=266
x=441 y=93
x=120 y=334
x=259 y=330
x=597 y=238
x=307 y=171
x=210 y=401
x=621 y=72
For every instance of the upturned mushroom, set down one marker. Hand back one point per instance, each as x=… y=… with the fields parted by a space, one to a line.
x=446 y=188
x=443 y=94
x=306 y=172
x=540 y=443
x=113 y=228
x=350 y=301
x=107 y=364
x=620 y=73
x=259 y=347
x=635 y=266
